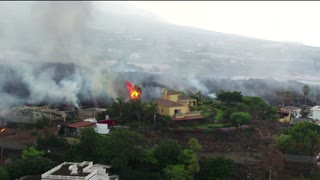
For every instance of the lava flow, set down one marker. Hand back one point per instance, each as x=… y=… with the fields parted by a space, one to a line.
x=134 y=91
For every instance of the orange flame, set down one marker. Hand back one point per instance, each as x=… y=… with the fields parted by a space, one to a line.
x=133 y=93
x=3 y=130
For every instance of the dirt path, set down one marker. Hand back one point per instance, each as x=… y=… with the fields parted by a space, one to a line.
x=238 y=157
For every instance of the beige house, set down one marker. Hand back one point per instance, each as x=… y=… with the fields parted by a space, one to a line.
x=177 y=106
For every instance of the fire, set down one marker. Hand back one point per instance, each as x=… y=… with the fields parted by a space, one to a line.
x=134 y=91
x=3 y=130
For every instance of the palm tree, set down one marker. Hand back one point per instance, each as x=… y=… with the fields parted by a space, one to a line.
x=306 y=91
x=287 y=97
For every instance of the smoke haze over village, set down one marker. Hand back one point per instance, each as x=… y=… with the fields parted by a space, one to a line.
x=70 y=52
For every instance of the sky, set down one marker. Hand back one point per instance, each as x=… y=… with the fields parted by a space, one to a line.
x=294 y=21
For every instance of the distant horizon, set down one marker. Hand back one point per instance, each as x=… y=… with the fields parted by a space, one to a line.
x=281 y=21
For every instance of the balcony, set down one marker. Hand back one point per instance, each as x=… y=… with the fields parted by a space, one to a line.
x=193 y=113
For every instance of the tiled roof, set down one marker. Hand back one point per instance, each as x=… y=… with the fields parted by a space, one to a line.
x=81 y=124
x=188 y=118
x=289 y=109
x=167 y=103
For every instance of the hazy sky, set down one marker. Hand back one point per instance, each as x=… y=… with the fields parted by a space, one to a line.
x=280 y=21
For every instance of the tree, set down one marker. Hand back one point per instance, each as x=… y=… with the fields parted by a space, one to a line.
x=193 y=166
x=31 y=152
x=88 y=143
x=300 y=139
x=216 y=168
x=230 y=97
x=194 y=145
x=30 y=166
x=175 y=172
x=258 y=108
x=125 y=146
x=287 y=97
x=271 y=160
x=167 y=153
x=3 y=173
x=239 y=118
x=306 y=91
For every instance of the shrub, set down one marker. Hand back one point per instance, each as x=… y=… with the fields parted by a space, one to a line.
x=239 y=118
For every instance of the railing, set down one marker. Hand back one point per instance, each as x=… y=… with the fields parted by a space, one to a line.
x=179 y=115
x=192 y=113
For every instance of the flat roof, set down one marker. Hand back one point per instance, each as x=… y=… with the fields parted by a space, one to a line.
x=64 y=171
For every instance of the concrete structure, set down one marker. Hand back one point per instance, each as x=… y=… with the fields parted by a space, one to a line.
x=314 y=113
x=79 y=171
x=30 y=115
x=177 y=106
x=89 y=113
x=101 y=128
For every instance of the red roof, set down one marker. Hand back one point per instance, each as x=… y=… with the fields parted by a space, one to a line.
x=188 y=118
x=81 y=124
x=110 y=122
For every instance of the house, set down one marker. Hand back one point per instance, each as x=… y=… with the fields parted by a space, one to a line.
x=85 y=170
x=73 y=129
x=89 y=113
x=314 y=113
x=177 y=106
x=30 y=115
x=287 y=112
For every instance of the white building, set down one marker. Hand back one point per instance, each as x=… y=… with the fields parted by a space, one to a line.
x=80 y=171
x=314 y=113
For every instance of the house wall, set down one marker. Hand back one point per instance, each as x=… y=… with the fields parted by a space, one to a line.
x=192 y=102
x=163 y=110
x=170 y=110
x=85 y=114
x=170 y=97
x=315 y=115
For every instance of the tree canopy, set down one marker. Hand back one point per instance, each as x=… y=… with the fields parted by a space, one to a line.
x=300 y=139
x=216 y=168
x=240 y=118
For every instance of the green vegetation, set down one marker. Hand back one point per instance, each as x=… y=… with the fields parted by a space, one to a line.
x=3 y=173
x=301 y=139
x=240 y=118
x=216 y=168
x=219 y=116
x=31 y=152
x=175 y=172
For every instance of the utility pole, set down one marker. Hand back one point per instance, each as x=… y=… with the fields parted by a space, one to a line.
x=154 y=120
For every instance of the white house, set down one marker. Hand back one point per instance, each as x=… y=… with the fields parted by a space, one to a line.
x=314 y=113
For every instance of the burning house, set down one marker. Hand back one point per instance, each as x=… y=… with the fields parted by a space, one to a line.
x=134 y=91
x=89 y=113
x=177 y=106
x=30 y=115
